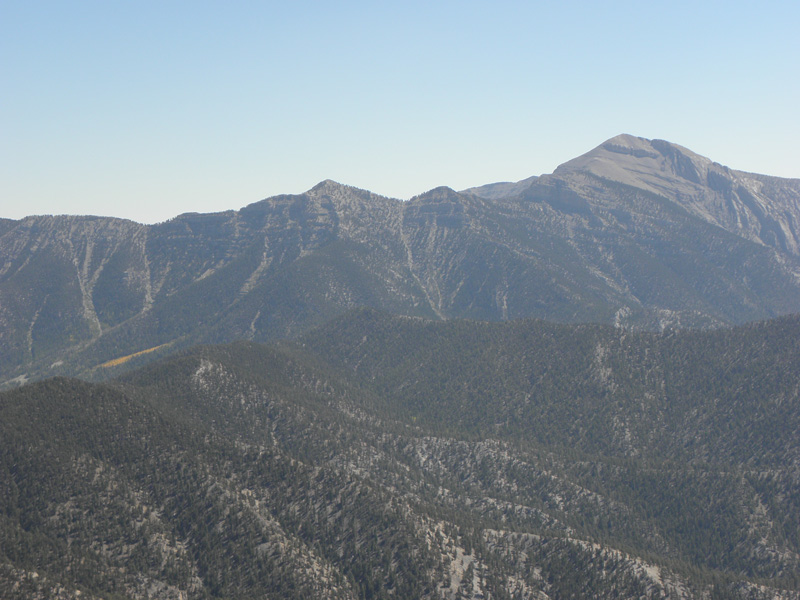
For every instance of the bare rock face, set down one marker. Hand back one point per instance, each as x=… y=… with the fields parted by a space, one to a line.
x=755 y=207
x=640 y=233
x=66 y=279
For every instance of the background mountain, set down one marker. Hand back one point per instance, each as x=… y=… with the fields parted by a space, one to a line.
x=640 y=233
x=391 y=457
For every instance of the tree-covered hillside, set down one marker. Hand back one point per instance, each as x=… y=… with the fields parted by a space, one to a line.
x=390 y=457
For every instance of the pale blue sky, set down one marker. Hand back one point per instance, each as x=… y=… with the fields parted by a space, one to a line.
x=145 y=110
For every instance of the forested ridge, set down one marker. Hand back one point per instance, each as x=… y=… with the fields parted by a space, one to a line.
x=392 y=457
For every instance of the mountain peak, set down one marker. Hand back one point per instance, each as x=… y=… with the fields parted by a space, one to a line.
x=739 y=202
x=437 y=194
x=640 y=162
x=626 y=140
x=327 y=186
x=340 y=191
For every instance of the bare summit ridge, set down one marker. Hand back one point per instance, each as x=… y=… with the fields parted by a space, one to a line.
x=756 y=207
x=759 y=208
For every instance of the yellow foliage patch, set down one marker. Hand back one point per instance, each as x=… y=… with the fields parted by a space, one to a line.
x=123 y=359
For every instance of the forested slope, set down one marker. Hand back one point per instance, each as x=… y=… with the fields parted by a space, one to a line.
x=463 y=459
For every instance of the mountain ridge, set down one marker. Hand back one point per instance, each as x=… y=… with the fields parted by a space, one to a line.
x=735 y=202
x=651 y=249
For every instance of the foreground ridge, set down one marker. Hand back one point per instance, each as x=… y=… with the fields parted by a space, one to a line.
x=527 y=460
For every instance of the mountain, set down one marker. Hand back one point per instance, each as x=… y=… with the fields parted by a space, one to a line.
x=757 y=207
x=382 y=456
x=642 y=234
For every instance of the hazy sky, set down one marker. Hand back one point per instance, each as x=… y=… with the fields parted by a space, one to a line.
x=145 y=110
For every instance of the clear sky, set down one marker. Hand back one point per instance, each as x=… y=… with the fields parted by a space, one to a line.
x=146 y=110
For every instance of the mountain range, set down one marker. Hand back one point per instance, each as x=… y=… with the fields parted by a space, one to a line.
x=642 y=234
x=580 y=385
